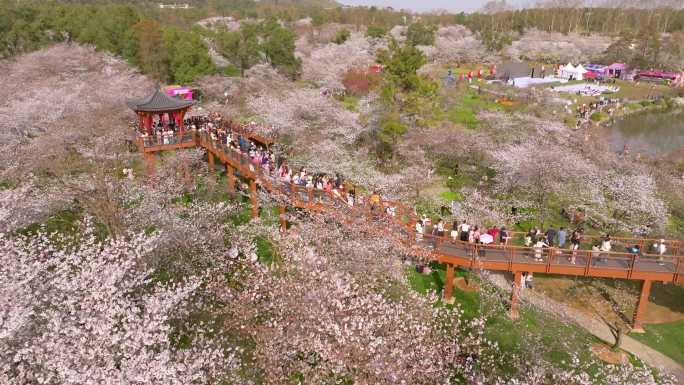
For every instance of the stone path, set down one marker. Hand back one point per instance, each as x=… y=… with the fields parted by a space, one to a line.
x=593 y=326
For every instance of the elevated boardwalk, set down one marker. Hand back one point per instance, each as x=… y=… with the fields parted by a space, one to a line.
x=399 y=225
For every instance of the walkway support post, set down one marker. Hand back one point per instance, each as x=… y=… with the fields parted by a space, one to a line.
x=253 y=198
x=449 y=284
x=641 y=306
x=517 y=277
x=230 y=179
x=211 y=163
x=281 y=216
x=150 y=164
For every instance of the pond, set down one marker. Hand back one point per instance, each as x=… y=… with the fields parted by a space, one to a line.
x=652 y=133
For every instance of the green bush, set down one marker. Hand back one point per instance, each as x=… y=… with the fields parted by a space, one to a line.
x=342 y=36
x=375 y=31
x=598 y=116
x=463 y=115
x=231 y=71
x=349 y=102
x=420 y=34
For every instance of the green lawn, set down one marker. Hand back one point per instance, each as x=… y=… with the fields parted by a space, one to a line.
x=533 y=329
x=667 y=338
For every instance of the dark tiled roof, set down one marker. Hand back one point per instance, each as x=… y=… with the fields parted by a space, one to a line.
x=158 y=102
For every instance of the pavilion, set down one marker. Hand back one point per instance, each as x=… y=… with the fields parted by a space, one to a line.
x=159 y=103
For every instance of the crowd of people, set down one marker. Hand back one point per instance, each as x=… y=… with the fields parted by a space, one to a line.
x=535 y=239
x=230 y=136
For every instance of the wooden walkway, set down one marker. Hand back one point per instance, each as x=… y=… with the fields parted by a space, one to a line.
x=453 y=253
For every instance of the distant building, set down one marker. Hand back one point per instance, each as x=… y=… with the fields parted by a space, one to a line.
x=175 y=6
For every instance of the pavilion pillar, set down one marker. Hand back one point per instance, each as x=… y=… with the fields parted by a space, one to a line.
x=230 y=174
x=641 y=306
x=281 y=216
x=148 y=123
x=449 y=284
x=253 y=198
x=514 y=295
x=211 y=163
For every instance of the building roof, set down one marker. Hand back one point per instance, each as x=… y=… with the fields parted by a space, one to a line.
x=158 y=102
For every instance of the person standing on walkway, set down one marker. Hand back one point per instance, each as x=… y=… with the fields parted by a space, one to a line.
x=419 y=230
x=464 y=230
x=550 y=236
x=538 y=249
x=454 y=231
x=504 y=236
x=562 y=234
x=660 y=249
x=494 y=232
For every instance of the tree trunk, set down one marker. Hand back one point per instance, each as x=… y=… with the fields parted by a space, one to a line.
x=617 y=333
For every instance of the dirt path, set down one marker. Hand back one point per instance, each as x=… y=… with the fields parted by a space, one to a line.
x=593 y=326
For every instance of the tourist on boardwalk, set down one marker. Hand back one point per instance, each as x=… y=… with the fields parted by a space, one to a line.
x=534 y=234
x=660 y=249
x=419 y=230
x=551 y=236
x=562 y=234
x=538 y=249
x=494 y=232
x=575 y=239
x=454 y=234
x=438 y=229
x=504 y=236
x=528 y=239
x=464 y=230
x=475 y=235
x=595 y=253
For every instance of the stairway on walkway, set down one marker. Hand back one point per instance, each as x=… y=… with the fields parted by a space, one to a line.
x=594 y=326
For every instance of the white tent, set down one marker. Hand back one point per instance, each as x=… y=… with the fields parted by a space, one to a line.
x=571 y=72
x=580 y=72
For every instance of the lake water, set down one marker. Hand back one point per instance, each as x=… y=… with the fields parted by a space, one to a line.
x=653 y=133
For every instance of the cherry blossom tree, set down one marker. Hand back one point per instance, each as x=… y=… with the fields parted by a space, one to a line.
x=81 y=311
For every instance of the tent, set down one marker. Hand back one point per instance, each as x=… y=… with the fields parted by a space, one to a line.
x=567 y=71
x=599 y=69
x=580 y=70
x=571 y=72
x=616 y=70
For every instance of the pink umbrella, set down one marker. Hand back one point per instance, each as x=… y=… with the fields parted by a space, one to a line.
x=486 y=239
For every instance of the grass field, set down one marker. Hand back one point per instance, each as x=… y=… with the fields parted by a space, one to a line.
x=558 y=340
x=667 y=338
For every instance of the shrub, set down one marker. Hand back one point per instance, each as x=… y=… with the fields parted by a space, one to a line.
x=342 y=36
x=463 y=115
x=420 y=34
x=231 y=71
x=375 y=31
x=598 y=116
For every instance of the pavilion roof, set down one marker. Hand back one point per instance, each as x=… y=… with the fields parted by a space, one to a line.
x=158 y=102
